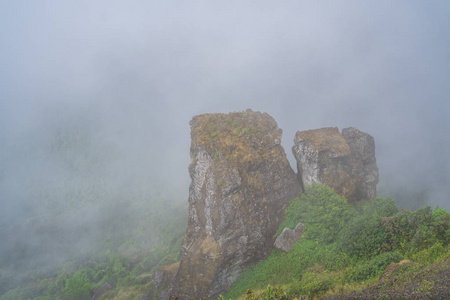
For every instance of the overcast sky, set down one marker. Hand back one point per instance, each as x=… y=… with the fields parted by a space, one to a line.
x=143 y=69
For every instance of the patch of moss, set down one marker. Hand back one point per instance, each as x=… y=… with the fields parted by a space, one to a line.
x=326 y=139
x=243 y=137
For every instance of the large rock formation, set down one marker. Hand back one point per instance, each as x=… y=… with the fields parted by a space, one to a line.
x=241 y=184
x=344 y=161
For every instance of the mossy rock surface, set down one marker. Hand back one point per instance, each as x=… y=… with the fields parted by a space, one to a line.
x=241 y=137
x=326 y=139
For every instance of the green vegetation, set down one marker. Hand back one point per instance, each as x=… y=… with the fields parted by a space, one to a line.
x=128 y=269
x=323 y=212
x=362 y=236
x=344 y=252
x=268 y=294
x=88 y=230
x=101 y=234
x=372 y=268
x=348 y=247
x=407 y=281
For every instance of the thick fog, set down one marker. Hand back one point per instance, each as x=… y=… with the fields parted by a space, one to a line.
x=129 y=75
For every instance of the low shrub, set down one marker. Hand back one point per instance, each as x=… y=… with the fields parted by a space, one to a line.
x=312 y=284
x=410 y=232
x=270 y=293
x=381 y=207
x=78 y=287
x=363 y=237
x=441 y=225
x=428 y=255
x=323 y=212
x=373 y=267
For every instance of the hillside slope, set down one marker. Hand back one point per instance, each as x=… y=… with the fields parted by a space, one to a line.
x=348 y=247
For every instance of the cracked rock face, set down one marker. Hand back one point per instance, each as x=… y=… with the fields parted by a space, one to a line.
x=344 y=161
x=241 y=184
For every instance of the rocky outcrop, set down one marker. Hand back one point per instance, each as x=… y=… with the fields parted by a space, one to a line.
x=344 y=161
x=363 y=163
x=241 y=184
x=289 y=237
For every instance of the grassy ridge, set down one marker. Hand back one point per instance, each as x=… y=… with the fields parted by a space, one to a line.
x=348 y=247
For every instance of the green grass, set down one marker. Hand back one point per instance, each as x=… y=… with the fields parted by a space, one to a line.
x=346 y=248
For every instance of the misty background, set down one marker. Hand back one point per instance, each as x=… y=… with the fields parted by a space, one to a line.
x=96 y=99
